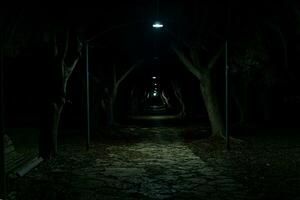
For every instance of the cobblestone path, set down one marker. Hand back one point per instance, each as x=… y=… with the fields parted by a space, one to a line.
x=160 y=166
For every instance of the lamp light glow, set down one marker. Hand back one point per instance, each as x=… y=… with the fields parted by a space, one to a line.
x=157 y=25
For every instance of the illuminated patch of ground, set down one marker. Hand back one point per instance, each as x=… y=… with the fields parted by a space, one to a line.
x=163 y=164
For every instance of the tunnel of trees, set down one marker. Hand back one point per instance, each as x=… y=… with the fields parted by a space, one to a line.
x=137 y=72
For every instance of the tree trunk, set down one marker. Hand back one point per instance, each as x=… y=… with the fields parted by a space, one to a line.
x=110 y=113
x=182 y=105
x=240 y=97
x=111 y=104
x=49 y=129
x=265 y=104
x=212 y=106
x=244 y=107
x=178 y=96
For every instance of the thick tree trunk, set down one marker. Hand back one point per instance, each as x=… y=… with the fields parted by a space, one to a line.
x=212 y=106
x=61 y=59
x=49 y=129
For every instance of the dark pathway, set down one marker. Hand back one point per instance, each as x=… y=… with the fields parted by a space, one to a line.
x=157 y=166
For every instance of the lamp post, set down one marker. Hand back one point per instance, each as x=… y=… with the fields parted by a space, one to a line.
x=226 y=97
x=2 y=146
x=87 y=85
x=226 y=80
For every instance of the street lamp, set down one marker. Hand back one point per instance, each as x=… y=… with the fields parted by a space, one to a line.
x=157 y=25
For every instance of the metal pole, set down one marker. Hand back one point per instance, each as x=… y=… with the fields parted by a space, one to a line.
x=2 y=146
x=226 y=97
x=87 y=98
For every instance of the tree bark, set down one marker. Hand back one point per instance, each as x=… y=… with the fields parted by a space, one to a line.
x=113 y=95
x=240 y=96
x=178 y=95
x=49 y=129
x=111 y=111
x=212 y=106
x=61 y=61
x=265 y=105
x=208 y=93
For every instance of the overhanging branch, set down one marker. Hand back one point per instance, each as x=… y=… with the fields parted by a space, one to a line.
x=195 y=58
x=215 y=58
x=129 y=71
x=187 y=63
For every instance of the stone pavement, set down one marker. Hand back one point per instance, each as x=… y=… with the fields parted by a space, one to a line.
x=160 y=166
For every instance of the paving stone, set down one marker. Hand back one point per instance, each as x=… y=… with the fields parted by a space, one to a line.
x=150 y=169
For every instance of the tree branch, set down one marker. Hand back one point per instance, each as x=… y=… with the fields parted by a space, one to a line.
x=55 y=50
x=114 y=73
x=187 y=63
x=68 y=69
x=215 y=58
x=66 y=49
x=128 y=72
x=278 y=30
x=178 y=95
x=14 y=26
x=195 y=57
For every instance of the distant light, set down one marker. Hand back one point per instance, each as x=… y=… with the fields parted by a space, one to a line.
x=155 y=93
x=157 y=25
x=153 y=77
